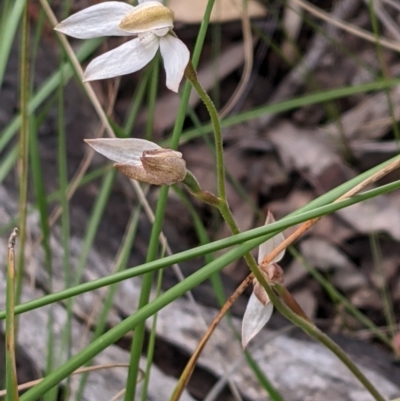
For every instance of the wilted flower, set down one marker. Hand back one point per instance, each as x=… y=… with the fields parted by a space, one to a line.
x=142 y=160
x=150 y=21
x=259 y=307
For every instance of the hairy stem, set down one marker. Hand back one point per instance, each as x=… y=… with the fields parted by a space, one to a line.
x=299 y=320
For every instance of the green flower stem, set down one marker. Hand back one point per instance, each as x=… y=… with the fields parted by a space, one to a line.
x=191 y=75
x=223 y=207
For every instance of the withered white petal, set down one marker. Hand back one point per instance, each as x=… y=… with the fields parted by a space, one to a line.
x=254 y=319
x=267 y=247
x=125 y=59
x=175 y=56
x=96 y=21
x=127 y=150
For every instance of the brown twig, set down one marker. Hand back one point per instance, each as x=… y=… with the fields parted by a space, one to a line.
x=32 y=383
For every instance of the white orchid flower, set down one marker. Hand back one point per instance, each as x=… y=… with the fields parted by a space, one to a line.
x=150 y=21
x=259 y=308
x=142 y=160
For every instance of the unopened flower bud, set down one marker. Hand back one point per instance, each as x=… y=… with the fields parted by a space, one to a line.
x=143 y=160
x=158 y=167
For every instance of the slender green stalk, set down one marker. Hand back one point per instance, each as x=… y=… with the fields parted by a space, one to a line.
x=137 y=343
x=268 y=231
x=41 y=204
x=223 y=206
x=191 y=75
x=8 y=33
x=152 y=343
x=11 y=365
x=272 y=391
x=152 y=97
x=62 y=172
x=137 y=101
x=8 y=163
x=23 y=148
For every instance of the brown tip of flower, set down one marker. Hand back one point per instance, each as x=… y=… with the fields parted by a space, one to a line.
x=260 y=293
x=274 y=273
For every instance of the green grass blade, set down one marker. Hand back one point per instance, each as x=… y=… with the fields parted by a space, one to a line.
x=9 y=33
x=137 y=318
x=270 y=230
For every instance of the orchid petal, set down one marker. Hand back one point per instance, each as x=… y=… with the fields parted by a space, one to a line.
x=125 y=59
x=254 y=319
x=176 y=57
x=128 y=150
x=267 y=247
x=96 y=21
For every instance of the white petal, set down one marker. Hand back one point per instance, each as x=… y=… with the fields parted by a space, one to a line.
x=95 y=21
x=175 y=55
x=144 y=1
x=125 y=59
x=122 y=150
x=254 y=319
x=267 y=247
